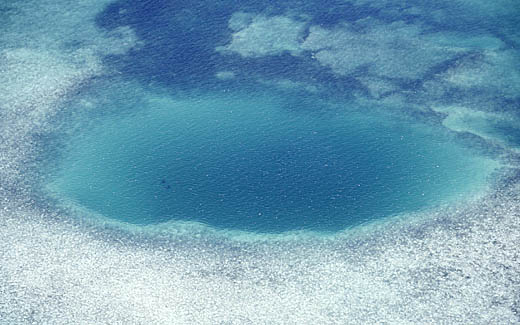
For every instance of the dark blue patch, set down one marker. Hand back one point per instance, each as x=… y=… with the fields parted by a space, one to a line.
x=180 y=38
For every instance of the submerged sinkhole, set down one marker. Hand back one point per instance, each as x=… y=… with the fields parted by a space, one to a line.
x=251 y=163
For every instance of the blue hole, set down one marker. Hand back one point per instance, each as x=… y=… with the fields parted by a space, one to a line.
x=250 y=162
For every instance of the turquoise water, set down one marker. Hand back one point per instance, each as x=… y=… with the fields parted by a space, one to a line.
x=255 y=163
